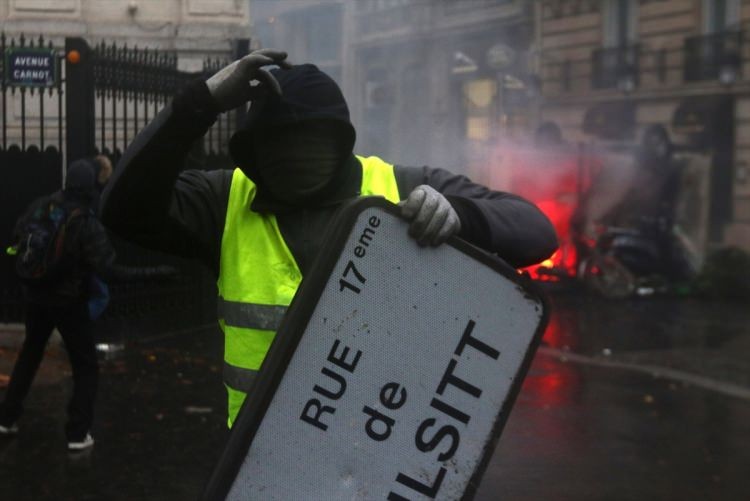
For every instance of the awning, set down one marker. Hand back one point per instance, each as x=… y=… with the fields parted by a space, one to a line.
x=699 y=114
x=611 y=120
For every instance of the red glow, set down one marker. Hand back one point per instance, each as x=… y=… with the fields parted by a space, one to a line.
x=554 y=382
x=554 y=181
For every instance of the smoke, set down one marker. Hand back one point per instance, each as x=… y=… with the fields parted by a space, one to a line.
x=461 y=97
x=419 y=93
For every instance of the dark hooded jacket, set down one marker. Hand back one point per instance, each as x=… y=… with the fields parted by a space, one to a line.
x=152 y=201
x=87 y=249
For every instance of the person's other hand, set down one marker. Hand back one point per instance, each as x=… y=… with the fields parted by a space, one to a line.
x=432 y=218
x=245 y=79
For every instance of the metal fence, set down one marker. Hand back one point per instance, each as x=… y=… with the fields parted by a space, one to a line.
x=103 y=96
x=30 y=157
x=132 y=84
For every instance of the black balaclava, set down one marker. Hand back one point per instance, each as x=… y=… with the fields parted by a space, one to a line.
x=80 y=181
x=294 y=146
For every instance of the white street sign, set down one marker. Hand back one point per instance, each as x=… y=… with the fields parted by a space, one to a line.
x=402 y=377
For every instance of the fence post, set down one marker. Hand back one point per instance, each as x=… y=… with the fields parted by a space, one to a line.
x=241 y=48
x=79 y=100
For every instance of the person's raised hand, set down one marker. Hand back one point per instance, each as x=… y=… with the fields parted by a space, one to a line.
x=246 y=79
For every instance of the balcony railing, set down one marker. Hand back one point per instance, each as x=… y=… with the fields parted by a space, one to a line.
x=452 y=7
x=712 y=57
x=615 y=68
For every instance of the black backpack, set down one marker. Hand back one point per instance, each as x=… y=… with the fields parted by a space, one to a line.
x=41 y=240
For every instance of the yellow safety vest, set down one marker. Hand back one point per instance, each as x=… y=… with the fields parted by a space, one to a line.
x=258 y=277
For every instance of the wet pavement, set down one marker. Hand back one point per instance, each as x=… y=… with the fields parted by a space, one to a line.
x=159 y=425
x=641 y=399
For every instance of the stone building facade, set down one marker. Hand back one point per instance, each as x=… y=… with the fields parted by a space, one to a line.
x=193 y=28
x=610 y=68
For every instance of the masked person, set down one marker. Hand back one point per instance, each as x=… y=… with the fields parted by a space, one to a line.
x=260 y=226
x=56 y=292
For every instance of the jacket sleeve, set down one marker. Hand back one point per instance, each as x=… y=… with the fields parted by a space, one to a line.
x=501 y=223
x=150 y=200
x=100 y=256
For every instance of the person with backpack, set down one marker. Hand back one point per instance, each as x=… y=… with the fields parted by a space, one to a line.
x=59 y=244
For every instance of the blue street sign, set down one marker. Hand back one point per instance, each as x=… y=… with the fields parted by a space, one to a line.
x=30 y=67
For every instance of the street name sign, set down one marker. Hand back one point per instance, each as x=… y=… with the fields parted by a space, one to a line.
x=391 y=375
x=30 y=67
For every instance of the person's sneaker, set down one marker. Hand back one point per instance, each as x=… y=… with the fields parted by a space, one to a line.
x=79 y=445
x=9 y=430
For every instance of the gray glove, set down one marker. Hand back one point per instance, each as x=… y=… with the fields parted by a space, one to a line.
x=432 y=218
x=245 y=79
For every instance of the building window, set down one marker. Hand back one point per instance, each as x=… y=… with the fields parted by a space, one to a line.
x=721 y=15
x=620 y=23
x=616 y=64
x=717 y=53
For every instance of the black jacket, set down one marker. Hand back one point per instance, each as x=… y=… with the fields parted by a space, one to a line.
x=150 y=201
x=87 y=251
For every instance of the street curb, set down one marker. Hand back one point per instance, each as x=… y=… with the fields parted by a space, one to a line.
x=723 y=387
x=12 y=335
x=13 y=327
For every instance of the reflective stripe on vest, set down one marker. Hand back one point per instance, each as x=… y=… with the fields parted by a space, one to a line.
x=238 y=378
x=258 y=277
x=250 y=316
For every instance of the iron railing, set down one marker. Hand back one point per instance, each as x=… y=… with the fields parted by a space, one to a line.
x=100 y=101
x=708 y=55
x=718 y=57
x=615 y=67
x=133 y=84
